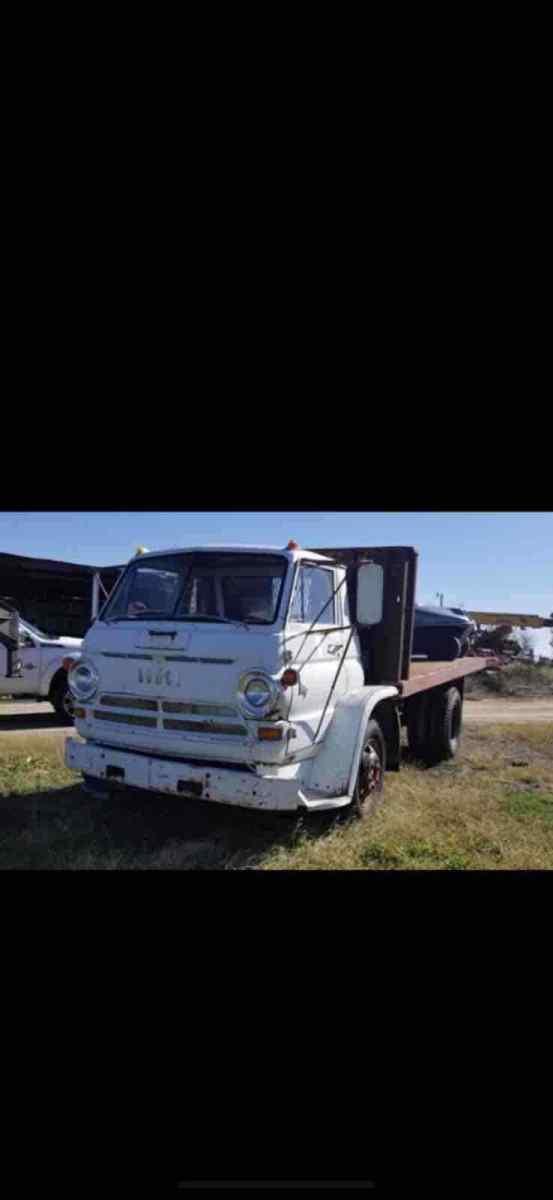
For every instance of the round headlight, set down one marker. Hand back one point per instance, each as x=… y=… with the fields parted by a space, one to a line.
x=257 y=694
x=83 y=680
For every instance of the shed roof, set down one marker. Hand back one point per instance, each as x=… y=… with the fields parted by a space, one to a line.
x=49 y=566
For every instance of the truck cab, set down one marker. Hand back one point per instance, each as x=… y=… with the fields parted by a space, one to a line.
x=218 y=657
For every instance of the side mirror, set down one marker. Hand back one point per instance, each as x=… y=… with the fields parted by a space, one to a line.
x=370 y=593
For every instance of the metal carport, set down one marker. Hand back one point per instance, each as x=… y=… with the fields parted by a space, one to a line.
x=58 y=597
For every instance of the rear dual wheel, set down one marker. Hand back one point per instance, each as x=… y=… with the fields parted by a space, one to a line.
x=434 y=726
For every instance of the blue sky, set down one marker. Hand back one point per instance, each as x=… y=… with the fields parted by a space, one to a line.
x=488 y=560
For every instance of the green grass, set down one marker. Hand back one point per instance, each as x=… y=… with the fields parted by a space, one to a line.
x=530 y=806
x=478 y=812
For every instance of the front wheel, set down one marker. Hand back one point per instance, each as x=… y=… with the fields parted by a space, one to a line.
x=370 y=778
x=63 y=701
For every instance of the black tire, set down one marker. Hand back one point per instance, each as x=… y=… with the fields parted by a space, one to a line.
x=459 y=647
x=446 y=718
x=370 y=778
x=62 y=700
x=450 y=648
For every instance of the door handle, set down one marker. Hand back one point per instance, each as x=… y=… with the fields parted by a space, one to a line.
x=30 y=667
x=335 y=647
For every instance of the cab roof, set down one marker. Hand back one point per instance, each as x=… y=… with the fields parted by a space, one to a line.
x=291 y=555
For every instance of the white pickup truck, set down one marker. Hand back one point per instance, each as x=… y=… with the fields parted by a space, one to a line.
x=41 y=667
x=260 y=676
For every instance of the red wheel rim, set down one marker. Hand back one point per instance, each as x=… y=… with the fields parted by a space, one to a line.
x=370 y=776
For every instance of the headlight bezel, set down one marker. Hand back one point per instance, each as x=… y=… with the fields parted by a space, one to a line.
x=267 y=706
x=89 y=690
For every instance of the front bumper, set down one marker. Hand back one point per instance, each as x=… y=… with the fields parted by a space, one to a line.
x=279 y=789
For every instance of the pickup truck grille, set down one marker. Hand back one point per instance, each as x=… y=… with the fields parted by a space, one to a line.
x=174 y=716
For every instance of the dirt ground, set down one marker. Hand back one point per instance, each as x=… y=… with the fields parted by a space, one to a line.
x=28 y=716
x=478 y=711
x=22 y=716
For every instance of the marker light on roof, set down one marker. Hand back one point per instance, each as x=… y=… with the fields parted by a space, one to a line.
x=292 y=546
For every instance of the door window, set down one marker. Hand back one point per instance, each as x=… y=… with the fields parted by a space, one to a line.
x=312 y=596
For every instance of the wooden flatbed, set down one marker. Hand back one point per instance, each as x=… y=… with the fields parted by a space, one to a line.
x=424 y=675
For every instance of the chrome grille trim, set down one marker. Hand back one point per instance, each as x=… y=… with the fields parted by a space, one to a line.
x=205 y=727
x=116 y=654
x=200 y=710
x=125 y=719
x=203 y=718
x=226 y=662
x=117 y=701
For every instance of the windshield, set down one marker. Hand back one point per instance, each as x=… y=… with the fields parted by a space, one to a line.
x=204 y=586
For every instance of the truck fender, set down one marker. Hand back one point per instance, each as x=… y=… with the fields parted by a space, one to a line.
x=52 y=668
x=334 y=769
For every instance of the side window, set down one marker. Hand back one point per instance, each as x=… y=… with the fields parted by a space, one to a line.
x=314 y=588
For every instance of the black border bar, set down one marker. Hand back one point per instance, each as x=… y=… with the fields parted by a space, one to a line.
x=205 y=1184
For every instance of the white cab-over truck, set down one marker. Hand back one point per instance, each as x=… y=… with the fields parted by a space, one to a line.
x=33 y=664
x=270 y=678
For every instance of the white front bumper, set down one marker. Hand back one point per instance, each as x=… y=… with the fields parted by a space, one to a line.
x=278 y=789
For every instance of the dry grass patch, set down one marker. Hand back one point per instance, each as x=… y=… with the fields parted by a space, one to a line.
x=491 y=808
x=29 y=764
x=479 y=812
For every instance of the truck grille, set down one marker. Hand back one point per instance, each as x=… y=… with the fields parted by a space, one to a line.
x=125 y=718
x=200 y=710
x=202 y=718
x=205 y=727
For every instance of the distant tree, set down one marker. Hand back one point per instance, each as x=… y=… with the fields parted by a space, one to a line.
x=526 y=643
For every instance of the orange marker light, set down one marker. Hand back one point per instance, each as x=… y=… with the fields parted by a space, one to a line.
x=268 y=733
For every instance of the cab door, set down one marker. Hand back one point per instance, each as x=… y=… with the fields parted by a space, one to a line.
x=314 y=653
x=27 y=682
x=9 y=633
